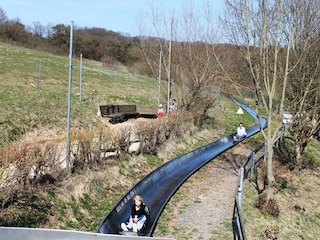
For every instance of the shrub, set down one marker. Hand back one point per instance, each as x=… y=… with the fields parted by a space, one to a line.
x=154 y=133
x=26 y=168
x=308 y=162
x=271 y=233
x=261 y=201
x=272 y=207
x=151 y=135
x=269 y=206
x=179 y=123
x=90 y=149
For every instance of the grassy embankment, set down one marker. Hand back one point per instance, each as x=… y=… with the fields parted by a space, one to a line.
x=28 y=103
x=38 y=105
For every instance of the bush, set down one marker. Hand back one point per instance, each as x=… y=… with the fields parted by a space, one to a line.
x=271 y=233
x=154 y=133
x=261 y=201
x=272 y=207
x=269 y=206
x=308 y=162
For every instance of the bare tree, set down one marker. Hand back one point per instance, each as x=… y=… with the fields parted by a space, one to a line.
x=303 y=98
x=3 y=16
x=38 y=30
x=193 y=69
x=266 y=33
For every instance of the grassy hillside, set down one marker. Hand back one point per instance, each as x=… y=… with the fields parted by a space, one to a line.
x=30 y=105
x=81 y=200
x=32 y=96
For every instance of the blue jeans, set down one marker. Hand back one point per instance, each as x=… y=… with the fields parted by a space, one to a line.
x=241 y=137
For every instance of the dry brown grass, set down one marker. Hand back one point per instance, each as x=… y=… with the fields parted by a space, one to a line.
x=37 y=163
x=28 y=170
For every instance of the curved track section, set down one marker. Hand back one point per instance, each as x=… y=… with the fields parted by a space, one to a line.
x=159 y=186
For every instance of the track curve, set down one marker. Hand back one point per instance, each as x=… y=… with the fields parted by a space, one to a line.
x=161 y=184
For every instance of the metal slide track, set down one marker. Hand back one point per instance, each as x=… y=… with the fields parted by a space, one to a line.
x=161 y=184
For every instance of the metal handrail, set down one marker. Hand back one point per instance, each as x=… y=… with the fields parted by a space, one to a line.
x=247 y=168
x=239 y=232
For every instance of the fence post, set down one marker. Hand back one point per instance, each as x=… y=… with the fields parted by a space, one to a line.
x=252 y=162
x=240 y=187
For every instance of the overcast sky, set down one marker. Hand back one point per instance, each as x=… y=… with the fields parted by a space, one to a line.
x=115 y=15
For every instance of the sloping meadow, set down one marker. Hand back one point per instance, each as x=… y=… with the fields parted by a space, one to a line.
x=34 y=91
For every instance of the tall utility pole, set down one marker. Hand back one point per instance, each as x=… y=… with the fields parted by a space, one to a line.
x=169 y=69
x=69 y=98
x=159 y=78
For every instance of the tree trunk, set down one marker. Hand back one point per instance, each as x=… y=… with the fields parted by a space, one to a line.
x=298 y=154
x=269 y=152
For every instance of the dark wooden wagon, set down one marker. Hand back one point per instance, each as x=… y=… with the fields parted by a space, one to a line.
x=121 y=113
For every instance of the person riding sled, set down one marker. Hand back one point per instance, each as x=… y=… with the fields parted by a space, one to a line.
x=139 y=217
x=241 y=133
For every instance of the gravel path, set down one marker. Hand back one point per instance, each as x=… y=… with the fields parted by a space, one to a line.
x=203 y=206
x=207 y=211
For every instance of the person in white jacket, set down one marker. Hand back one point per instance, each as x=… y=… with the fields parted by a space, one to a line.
x=241 y=133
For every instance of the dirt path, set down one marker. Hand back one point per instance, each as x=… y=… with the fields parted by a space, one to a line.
x=206 y=205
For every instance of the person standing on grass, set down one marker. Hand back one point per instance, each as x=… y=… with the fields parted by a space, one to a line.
x=174 y=104
x=173 y=107
x=160 y=112
x=139 y=217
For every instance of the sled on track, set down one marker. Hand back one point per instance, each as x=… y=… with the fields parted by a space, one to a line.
x=129 y=233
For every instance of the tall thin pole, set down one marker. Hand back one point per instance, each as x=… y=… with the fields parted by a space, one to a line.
x=169 y=69
x=69 y=98
x=159 y=78
x=80 y=78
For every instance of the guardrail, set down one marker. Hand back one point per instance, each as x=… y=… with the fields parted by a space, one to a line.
x=239 y=232
x=247 y=169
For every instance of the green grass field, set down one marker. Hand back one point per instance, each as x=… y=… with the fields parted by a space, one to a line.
x=34 y=90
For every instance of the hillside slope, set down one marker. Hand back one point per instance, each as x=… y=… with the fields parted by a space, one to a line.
x=34 y=109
